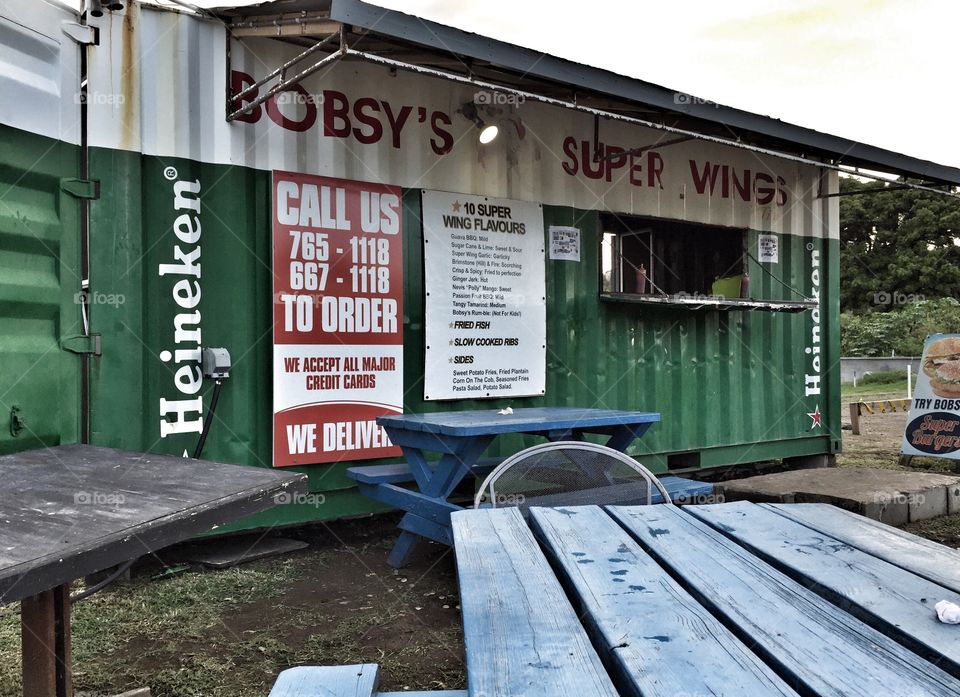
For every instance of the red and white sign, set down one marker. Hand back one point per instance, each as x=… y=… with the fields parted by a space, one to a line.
x=337 y=318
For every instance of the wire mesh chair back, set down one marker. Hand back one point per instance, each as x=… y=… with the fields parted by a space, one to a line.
x=568 y=473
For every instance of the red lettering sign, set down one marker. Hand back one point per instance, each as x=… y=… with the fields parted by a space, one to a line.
x=337 y=317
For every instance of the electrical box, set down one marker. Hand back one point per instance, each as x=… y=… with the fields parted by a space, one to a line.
x=215 y=363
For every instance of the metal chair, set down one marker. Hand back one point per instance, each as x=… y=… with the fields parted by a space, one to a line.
x=569 y=473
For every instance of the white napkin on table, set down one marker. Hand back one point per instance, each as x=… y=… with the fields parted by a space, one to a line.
x=947 y=612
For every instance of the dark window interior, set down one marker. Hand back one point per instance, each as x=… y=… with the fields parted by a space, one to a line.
x=656 y=257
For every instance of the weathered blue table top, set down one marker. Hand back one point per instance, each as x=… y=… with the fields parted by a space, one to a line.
x=727 y=599
x=488 y=421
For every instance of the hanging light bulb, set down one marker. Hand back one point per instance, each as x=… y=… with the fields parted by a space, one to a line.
x=488 y=133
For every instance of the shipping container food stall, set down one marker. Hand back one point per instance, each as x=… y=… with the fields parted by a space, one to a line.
x=375 y=214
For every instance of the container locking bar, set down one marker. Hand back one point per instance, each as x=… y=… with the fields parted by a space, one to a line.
x=82 y=344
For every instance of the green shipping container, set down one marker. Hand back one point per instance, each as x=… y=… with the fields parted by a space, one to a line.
x=740 y=380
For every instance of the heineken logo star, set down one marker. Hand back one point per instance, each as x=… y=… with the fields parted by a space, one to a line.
x=815 y=416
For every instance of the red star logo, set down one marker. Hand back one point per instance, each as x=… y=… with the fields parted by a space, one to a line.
x=815 y=415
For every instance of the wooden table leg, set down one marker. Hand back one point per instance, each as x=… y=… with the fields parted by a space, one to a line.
x=402 y=549
x=622 y=436
x=45 y=631
x=855 y=418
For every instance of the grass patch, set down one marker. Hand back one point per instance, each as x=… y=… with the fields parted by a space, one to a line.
x=868 y=391
x=945 y=530
x=121 y=634
x=884 y=377
x=227 y=633
x=352 y=642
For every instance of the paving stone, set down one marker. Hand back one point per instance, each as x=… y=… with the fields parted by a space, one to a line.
x=890 y=496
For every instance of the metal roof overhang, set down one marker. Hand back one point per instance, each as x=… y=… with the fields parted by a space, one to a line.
x=408 y=41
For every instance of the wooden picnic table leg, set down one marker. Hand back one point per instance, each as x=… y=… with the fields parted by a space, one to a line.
x=450 y=471
x=621 y=438
x=454 y=467
x=45 y=631
x=402 y=549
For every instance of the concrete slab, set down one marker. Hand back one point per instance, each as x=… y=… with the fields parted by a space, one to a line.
x=928 y=503
x=953 y=499
x=232 y=552
x=890 y=496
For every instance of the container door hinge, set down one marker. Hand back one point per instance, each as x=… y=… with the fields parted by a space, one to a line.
x=81 y=188
x=82 y=344
x=17 y=424
x=83 y=34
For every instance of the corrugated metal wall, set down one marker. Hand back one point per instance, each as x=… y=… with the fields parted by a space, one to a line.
x=729 y=383
x=39 y=228
x=39 y=275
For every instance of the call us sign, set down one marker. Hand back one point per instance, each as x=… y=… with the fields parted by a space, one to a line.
x=337 y=318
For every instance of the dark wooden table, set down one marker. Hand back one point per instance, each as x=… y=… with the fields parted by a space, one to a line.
x=728 y=599
x=73 y=510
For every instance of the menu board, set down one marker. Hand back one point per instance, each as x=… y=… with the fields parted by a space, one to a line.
x=485 y=303
x=933 y=427
x=337 y=318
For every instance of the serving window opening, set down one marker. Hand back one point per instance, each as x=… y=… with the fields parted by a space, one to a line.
x=646 y=260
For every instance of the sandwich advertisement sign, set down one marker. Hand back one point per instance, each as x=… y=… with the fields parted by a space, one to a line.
x=933 y=428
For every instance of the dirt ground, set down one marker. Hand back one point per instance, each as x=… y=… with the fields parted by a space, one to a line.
x=228 y=633
x=878 y=445
x=196 y=632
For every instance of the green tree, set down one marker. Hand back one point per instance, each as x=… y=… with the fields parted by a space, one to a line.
x=901 y=332
x=896 y=246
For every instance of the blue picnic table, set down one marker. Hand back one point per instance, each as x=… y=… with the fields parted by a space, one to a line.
x=460 y=438
x=735 y=599
x=727 y=599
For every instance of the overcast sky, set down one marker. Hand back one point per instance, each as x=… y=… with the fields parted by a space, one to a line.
x=882 y=72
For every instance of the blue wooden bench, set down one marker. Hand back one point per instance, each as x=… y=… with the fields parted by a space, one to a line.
x=681 y=490
x=429 y=516
x=513 y=647
x=341 y=681
x=889 y=598
x=922 y=557
x=823 y=649
x=460 y=438
x=400 y=473
x=659 y=641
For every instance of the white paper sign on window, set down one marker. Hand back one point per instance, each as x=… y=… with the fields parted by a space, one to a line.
x=564 y=243
x=768 y=249
x=486 y=320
